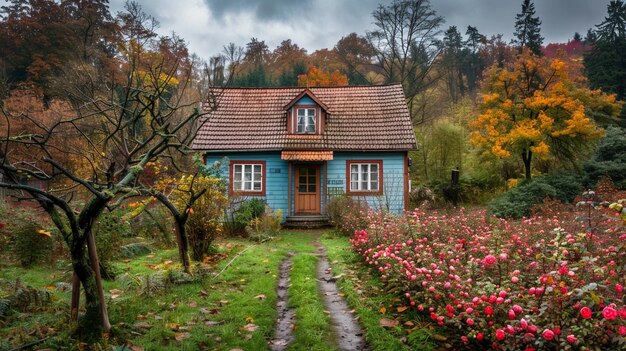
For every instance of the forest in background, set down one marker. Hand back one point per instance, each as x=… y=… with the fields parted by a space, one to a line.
x=455 y=80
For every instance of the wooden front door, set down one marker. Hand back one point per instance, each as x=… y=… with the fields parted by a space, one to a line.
x=307 y=189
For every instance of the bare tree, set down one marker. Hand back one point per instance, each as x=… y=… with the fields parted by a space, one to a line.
x=97 y=148
x=405 y=43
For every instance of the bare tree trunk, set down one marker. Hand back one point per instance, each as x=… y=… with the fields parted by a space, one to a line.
x=181 y=239
x=90 y=325
x=527 y=157
x=95 y=265
x=75 y=298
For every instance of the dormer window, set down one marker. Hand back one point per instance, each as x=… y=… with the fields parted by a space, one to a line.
x=306 y=120
x=306 y=116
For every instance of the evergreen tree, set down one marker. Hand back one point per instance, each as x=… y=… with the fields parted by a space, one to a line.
x=605 y=64
x=528 y=29
x=577 y=37
x=452 y=56
x=613 y=28
x=473 y=63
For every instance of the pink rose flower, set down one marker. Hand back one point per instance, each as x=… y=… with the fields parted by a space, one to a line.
x=511 y=314
x=548 y=334
x=621 y=330
x=609 y=313
x=489 y=260
x=500 y=335
x=571 y=338
x=489 y=310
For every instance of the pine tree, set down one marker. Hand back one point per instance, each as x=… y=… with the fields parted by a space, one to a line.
x=605 y=64
x=528 y=29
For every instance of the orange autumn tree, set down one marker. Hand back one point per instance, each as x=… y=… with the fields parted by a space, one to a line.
x=535 y=106
x=317 y=77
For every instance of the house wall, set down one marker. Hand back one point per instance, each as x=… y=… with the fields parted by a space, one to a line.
x=277 y=172
x=392 y=197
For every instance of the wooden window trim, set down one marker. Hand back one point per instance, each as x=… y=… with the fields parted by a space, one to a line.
x=293 y=120
x=231 y=179
x=349 y=163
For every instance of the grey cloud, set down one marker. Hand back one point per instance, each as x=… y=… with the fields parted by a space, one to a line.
x=263 y=9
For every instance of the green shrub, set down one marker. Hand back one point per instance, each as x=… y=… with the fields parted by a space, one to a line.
x=609 y=159
x=109 y=229
x=241 y=213
x=519 y=201
x=29 y=239
x=568 y=185
x=154 y=223
x=265 y=226
x=203 y=224
x=347 y=214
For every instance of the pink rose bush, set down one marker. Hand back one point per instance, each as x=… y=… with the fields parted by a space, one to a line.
x=537 y=284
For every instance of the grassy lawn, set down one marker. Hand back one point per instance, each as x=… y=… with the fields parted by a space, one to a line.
x=153 y=306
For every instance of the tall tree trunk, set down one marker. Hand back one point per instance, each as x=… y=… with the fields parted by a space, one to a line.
x=90 y=326
x=95 y=265
x=527 y=157
x=75 y=298
x=183 y=247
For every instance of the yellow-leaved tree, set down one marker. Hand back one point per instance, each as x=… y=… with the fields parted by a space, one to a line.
x=536 y=106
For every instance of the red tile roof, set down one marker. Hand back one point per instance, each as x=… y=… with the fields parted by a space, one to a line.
x=306 y=155
x=359 y=118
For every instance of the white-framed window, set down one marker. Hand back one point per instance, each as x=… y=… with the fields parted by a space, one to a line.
x=247 y=177
x=365 y=176
x=306 y=120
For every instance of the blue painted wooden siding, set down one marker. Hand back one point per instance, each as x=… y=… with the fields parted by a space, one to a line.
x=277 y=172
x=392 y=199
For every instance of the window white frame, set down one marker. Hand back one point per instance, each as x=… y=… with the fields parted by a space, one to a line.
x=306 y=120
x=247 y=177
x=364 y=176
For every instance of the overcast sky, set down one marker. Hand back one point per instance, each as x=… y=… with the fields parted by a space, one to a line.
x=207 y=25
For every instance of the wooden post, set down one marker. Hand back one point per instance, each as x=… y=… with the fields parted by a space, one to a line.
x=325 y=202
x=455 y=186
x=289 y=189
x=95 y=265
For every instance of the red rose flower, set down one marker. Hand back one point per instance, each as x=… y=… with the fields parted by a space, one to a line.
x=585 y=312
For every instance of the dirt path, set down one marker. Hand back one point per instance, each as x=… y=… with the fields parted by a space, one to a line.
x=349 y=333
x=286 y=316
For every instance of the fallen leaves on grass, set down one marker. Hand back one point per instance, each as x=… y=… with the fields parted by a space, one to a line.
x=142 y=325
x=261 y=297
x=115 y=293
x=389 y=323
x=250 y=327
x=181 y=336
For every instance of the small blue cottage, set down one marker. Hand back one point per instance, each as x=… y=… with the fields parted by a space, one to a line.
x=299 y=147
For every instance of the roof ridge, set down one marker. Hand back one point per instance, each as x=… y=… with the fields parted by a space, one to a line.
x=305 y=87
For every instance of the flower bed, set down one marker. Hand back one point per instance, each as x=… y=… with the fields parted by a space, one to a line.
x=536 y=284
